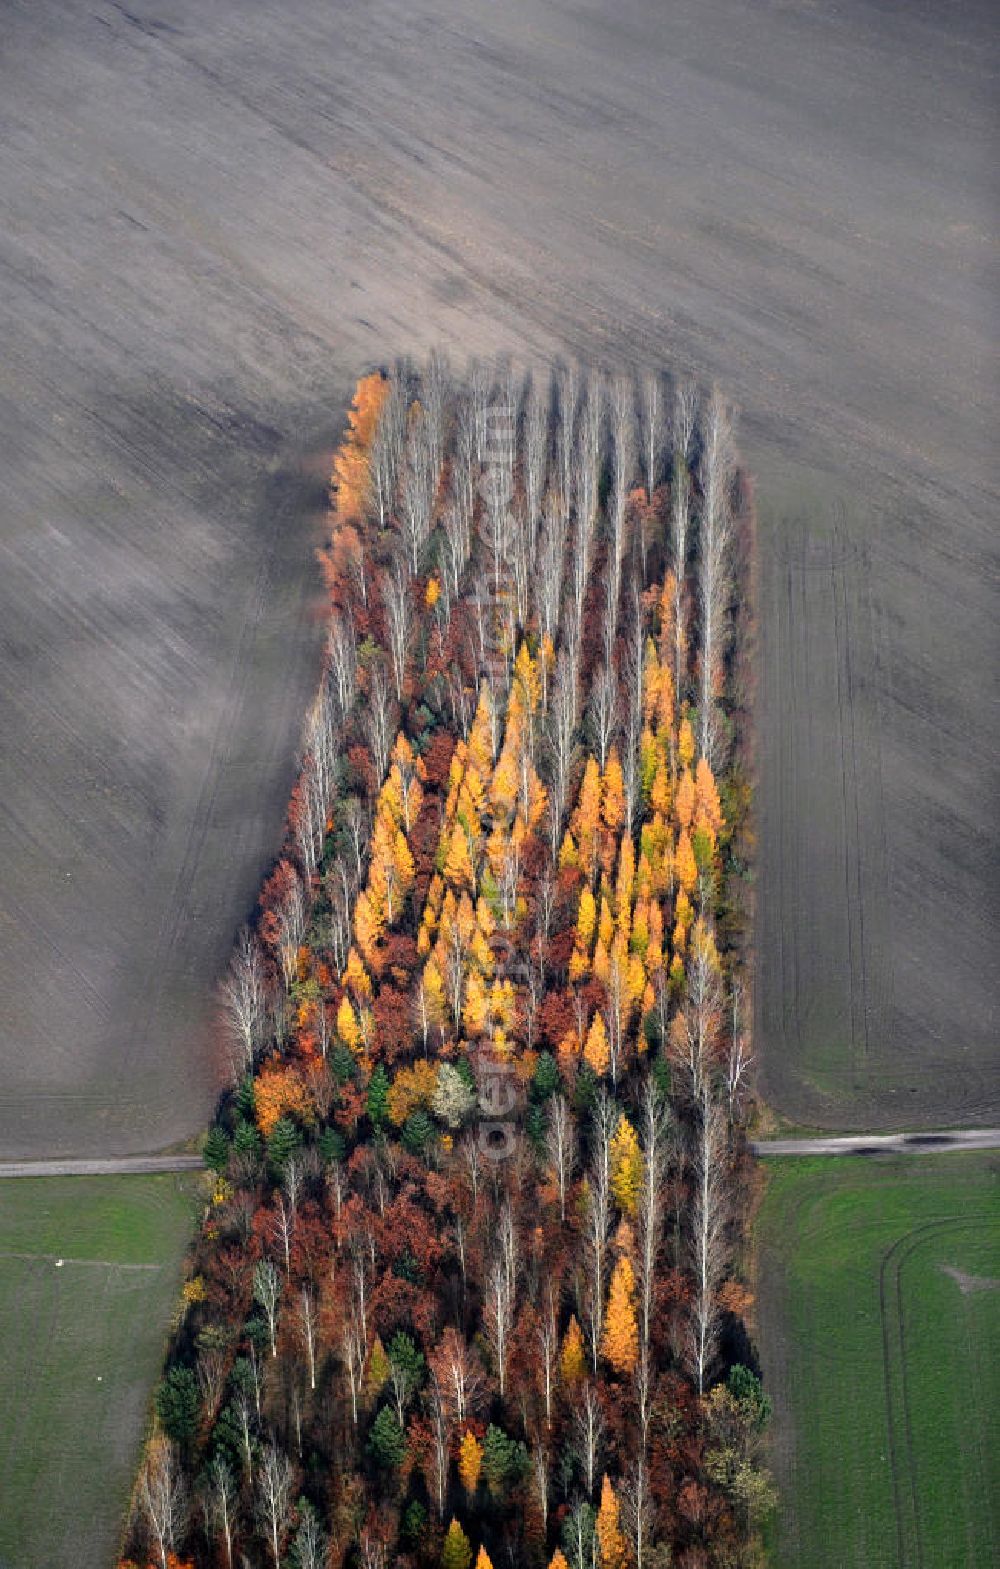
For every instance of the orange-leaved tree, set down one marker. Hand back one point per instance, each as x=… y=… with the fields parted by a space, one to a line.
x=620 y=1344
x=278 y=1091
x=350 y=469
x=614 y=1553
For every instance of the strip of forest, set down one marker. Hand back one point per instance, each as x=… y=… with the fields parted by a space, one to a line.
x=469 y=1286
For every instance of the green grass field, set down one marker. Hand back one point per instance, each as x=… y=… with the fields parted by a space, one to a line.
x=880 y=1328
x=82 y=1342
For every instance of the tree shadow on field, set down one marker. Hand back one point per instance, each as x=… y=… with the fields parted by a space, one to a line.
x=168 y=620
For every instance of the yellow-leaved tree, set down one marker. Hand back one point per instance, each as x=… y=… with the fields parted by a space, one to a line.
x=620 y=1343
x=586 y=920
x=470 y=1462
x=613 y=793
x=458 y=868
x=626 y=1167
x=610 y=1537
x=347 y=1025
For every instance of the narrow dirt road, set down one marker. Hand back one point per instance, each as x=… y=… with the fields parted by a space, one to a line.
x=117 y=1166
x=851 y=1144
x=888 y=1144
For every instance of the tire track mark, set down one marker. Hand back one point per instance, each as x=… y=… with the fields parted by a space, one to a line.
x=894 y=1341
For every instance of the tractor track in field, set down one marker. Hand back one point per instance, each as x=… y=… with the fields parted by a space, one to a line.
x=893 y=1326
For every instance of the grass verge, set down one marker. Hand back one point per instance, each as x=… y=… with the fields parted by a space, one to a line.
x=82 y=1342
x=880 y=1336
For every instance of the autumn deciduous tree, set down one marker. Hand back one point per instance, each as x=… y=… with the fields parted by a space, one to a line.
x=457 y=1550
x=610 y=1538
x=470 y=1462
x=685 y=863
x=278 y=1092
x=596 y=1051
x=351 y=473
x=626 y=1167
x=573 y=1359
x=621 y=1333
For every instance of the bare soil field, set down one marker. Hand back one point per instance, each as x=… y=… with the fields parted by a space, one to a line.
x=212 y=217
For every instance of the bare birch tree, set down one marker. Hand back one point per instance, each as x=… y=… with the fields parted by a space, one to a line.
x=243 y=1410
x=588 y=1432
x=498 y=1314
x=291 y=925
x=342 y=662
x=540 y=1477
x=308 y=1325
x=435 y=389
x=602 y=712
x=567 y=393
x=536 y=448
x=398 y=615
x=321 y=738
x=695 y=1031
x=480 y=385
x=548 y=578
x=311 y=819
x=548 y=1347
x=560 y=1146
x=274 y=1497
x=561 y=745
x=709 y=1216
x=654 y=1125
x=597 y=1226
x=379 y=720
x=267 y=1295
x=441 y=1435
x=220 y=1505
x=419 y=481
x=713 y=566
x=352 y=1354
x=310 y=1547
x=162 y=1496
x=387 y=450
x=638 y=1512
x=463 y=475
x=459 y=1374
x=651 y=426
x=244 y=1003
x=685 y=417
x=740 y=1058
